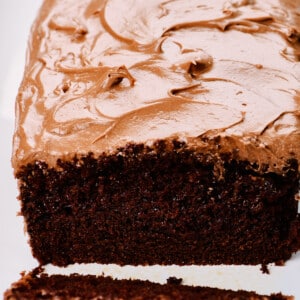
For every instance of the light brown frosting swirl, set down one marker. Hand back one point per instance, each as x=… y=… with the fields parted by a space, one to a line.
x=101 y=74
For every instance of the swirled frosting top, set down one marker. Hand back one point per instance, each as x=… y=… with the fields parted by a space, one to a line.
x=101 y=74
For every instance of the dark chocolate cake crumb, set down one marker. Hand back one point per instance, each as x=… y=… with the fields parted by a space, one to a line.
x=264 y=268
x=174 y=280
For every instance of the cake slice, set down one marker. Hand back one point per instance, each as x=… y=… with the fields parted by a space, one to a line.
x=59 y=287
x=161 y=132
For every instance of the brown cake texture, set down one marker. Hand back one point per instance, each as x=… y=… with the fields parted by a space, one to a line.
x=59 y=287
x=161 y=132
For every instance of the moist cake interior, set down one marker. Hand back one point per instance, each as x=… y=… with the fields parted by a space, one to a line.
x=178 y=210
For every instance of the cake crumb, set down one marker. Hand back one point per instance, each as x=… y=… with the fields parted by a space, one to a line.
x=174 y=280
x=264 y=268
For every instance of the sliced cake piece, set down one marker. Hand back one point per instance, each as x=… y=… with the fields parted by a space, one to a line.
x=60 y=287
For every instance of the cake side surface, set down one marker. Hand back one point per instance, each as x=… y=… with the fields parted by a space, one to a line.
x=75 y=286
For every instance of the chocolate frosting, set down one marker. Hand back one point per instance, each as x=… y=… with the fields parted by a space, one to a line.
x=101 y=74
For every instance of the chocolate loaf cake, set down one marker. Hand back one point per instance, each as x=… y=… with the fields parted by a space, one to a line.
x=161 y=132
x=34 y=286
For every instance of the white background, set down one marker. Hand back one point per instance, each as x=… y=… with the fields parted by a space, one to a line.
x=16 y=17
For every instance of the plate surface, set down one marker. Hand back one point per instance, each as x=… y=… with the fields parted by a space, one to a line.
x=16 y=17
